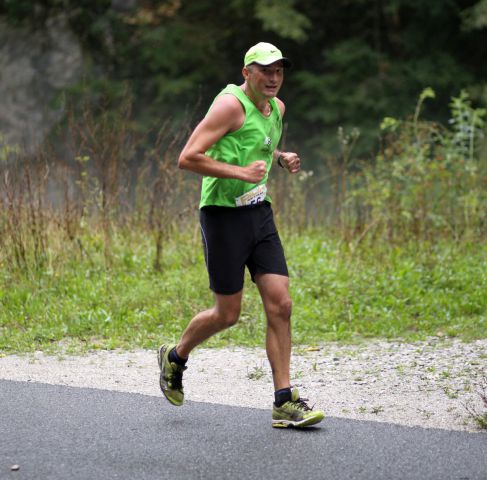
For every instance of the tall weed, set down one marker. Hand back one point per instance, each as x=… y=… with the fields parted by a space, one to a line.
x=428 y=179
x=57 y=208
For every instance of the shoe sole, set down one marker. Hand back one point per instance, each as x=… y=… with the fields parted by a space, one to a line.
x=162 y=381
x=308 y=422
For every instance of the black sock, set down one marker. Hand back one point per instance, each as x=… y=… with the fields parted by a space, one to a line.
x=282 y=396
x=174 y=357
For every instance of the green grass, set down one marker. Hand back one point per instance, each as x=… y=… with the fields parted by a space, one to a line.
x=409 y=292
x=403 y=292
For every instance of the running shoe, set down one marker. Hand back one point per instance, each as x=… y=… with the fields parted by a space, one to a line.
x=295 y=413
x=171 y=378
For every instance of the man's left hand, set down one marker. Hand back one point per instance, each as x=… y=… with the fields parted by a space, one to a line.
x=291 y=161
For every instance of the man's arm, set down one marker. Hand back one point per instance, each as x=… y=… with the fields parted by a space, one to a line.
x=287 y=160
x=225 y=116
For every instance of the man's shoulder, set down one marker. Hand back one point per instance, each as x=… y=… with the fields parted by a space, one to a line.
x=228 y=101
x=281 y=105
x=227 y=110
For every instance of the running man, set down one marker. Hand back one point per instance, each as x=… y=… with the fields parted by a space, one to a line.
x=233 y=148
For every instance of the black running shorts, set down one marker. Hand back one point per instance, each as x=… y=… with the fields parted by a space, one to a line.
x=237 y=237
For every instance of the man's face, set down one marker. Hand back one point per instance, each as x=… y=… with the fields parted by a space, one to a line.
x=265 y=80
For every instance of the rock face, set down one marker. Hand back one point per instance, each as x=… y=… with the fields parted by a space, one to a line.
x=34 y=68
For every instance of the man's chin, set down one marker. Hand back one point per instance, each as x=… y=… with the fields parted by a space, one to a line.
x=271 y=92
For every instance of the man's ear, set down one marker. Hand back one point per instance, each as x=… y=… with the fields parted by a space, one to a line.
x=245 y=72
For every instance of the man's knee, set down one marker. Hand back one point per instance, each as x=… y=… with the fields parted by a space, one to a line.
x=228 y=317
x=227 y=309
x=286 y=308
x=282 y=308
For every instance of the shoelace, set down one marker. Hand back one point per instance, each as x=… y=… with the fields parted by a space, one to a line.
x=177 y=377
x=302 y=405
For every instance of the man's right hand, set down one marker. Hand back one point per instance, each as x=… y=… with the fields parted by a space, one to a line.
x=254 y=172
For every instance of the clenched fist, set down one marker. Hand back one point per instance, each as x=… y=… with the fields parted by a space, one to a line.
x=291 y=161
x=254 y=172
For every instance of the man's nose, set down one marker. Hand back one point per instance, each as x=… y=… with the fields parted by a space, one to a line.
x=273 y=76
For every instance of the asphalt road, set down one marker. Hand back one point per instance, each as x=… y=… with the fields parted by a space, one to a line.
x=55 y=432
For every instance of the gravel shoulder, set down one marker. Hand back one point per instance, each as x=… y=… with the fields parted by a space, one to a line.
x=424 y=384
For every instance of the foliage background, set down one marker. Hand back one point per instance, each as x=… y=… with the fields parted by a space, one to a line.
x=355 y=61
x=386 y=238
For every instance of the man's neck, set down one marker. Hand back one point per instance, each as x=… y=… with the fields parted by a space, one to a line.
x=261 y=103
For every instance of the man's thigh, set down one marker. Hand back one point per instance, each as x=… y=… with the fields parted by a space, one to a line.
x=227 y=243
x=273 y=288
x=267 y=253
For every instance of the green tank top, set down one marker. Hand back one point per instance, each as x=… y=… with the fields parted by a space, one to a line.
x=256 y=139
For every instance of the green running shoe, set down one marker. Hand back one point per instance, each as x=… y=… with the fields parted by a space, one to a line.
x=171 y=378
x=295 y=413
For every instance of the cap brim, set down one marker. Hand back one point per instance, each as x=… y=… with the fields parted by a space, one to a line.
x=285 y=62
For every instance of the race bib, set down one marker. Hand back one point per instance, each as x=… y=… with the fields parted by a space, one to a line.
x=256 y=195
